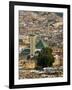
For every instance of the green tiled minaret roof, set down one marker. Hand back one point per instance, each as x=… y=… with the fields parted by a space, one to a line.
x=41 y=44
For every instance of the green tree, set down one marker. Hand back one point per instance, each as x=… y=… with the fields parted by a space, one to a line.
x=45 y=57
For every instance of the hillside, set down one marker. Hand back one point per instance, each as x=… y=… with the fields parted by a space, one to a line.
x=48 y=25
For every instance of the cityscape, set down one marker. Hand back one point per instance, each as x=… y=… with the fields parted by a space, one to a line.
x=40 y=44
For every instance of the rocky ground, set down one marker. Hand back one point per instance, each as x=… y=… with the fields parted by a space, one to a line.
x=37 y=74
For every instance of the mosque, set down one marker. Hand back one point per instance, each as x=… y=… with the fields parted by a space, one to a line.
x=34 y=46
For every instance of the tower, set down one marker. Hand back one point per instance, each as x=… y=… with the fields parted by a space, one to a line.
x=32 y=44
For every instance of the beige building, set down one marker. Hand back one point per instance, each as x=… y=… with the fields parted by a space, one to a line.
x=31 y=64
x=57 y=60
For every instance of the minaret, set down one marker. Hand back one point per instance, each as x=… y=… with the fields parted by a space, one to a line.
x=32 y=43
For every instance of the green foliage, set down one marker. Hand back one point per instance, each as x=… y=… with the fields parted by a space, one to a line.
x=45 y=57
